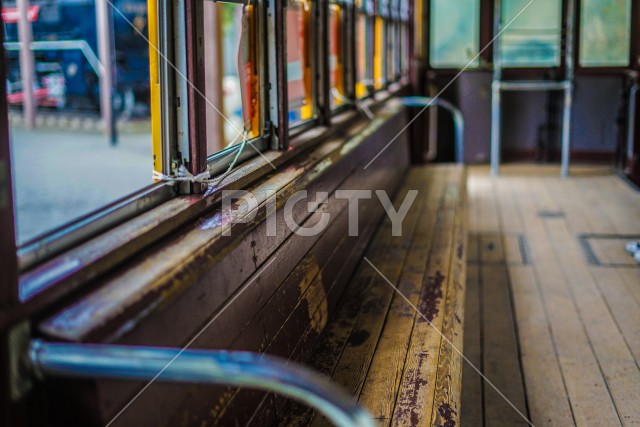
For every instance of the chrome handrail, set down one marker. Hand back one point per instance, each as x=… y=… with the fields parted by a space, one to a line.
x=236 y=368
x=458 y=119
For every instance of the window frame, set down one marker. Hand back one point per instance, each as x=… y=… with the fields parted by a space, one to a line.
x=218 y=162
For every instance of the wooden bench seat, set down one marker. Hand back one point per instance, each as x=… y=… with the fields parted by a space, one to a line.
x=385 y=344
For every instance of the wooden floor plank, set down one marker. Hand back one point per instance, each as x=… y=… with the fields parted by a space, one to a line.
x=415 y=399
x=630 y=278
x=472 y=411
x=623 y=306
x=546 y=393
x=588 y=394
x=611 y=349
x=577 y=322
x=501 y=363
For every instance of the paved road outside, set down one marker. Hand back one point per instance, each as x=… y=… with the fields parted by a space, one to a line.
x=60 y=175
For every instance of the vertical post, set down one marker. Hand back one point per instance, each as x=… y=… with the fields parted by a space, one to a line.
x=495 y=128
x=277 y=69
x=631 y=121
x=568 y=91
x=495 y=93
x=566 y=129
x=27 y=70
x=105 y=35
x=214 y=73
x=321 y=39
x=8 y=260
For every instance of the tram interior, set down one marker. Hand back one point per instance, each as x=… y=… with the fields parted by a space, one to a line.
x=319 y=212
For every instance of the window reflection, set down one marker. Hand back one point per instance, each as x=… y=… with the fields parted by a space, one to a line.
x=231 y=74
x=300 y=61
x=64 y=164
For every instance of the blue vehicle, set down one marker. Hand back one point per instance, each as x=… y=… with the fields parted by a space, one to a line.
x=66 y=78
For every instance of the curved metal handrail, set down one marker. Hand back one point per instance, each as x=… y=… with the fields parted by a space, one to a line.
x=458 y=119
x=198 y=366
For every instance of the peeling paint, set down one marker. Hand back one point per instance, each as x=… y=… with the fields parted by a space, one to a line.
x=431 y=298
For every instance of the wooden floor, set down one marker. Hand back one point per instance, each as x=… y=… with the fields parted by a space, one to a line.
x=553 y=302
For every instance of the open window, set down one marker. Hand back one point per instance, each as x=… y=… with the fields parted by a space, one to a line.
x=232 y=74
x=301 y=61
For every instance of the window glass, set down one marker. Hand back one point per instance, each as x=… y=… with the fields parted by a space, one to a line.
x=231 y=74
x=454 y=32
x=605 y=27
x=300 y=61
x=393 y=51
x=404 y=33
x=404 y=47
x=64 y=164
x=533 y=38
x=336 y=65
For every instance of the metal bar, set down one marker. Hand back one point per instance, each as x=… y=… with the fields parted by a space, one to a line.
x=495 y=128
x=568 y=92
x=167 y=85
x=495 y=92
x=497 y=18
x=81 y=45
x=104 y=32
x=27 y=70
x=181 y=82
x=631 y=120
x=198 y=366
x=566 y=131
x=533 y=85
x=458 y=119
